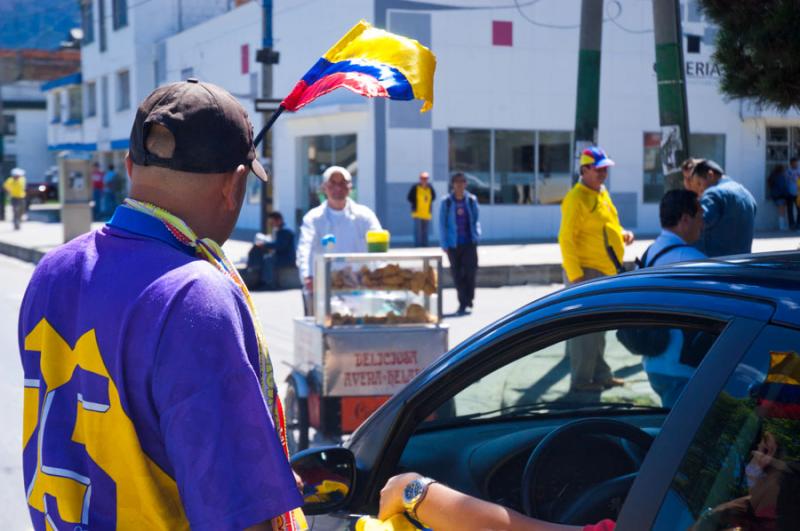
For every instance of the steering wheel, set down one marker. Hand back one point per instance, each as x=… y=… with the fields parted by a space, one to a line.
x=593 y=504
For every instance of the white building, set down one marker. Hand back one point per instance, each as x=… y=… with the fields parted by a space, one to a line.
x=504 y=109
x=24 y=137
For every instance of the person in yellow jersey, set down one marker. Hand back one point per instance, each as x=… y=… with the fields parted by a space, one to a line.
x=421 y=197
x=15 y=188
x=592 y=245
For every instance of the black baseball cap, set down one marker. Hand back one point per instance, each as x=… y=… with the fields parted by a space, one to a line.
x=702 y=167
x=212 y=131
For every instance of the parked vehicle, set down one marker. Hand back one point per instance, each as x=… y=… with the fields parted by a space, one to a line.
x=43 y=190
x=495 y=416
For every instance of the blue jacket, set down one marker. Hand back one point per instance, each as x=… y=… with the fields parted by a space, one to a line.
x=729 y=213
x=448 y=233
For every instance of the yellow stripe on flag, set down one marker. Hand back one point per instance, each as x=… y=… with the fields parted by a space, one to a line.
x=413 y=60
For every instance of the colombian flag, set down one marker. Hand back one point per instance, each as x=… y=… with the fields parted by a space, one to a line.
x=373 y=63
x=779 y=395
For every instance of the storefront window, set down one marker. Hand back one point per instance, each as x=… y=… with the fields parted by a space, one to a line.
x=470 y=154
x=317 y=154
x=513 y=167
x=513 y=161
x=553 y=176
x=783 y=143
x=702 y=145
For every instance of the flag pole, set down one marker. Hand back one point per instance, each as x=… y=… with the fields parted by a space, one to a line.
x=271 y=121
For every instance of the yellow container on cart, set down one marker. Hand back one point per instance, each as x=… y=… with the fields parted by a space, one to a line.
x=378 y=241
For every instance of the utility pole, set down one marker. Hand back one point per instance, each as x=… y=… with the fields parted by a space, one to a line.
x=267 y=57
x=587 y=105
x=672 y=102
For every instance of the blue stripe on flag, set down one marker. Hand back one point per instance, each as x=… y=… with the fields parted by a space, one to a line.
x=389 y=77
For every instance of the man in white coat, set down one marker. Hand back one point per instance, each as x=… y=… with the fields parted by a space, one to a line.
x=340 y=217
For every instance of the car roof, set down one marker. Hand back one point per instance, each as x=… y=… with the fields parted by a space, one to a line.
x=772 y=277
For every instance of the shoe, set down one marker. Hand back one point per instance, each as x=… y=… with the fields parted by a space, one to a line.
x=590 y=387
x=613 y=382
x=462 y=310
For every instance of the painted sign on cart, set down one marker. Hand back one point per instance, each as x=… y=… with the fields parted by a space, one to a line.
x=369 y=364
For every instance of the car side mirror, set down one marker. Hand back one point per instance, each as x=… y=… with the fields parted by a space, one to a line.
x=328 y=476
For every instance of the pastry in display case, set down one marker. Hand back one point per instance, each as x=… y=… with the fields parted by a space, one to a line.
x=378 y=289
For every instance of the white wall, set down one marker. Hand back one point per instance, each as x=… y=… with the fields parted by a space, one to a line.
x=30 y=145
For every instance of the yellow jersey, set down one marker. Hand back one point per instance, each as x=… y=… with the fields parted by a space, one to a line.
x=15 y=187
x=589 y=222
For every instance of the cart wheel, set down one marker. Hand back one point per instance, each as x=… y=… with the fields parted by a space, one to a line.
x=296 y=411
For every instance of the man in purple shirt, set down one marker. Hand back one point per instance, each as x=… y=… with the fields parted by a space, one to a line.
x=143 y=403
x=459 y=232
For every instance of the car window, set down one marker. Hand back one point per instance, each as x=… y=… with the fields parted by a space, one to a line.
x=625 y=367
x=742 y=469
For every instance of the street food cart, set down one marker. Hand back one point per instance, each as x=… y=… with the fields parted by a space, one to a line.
x=376 y=325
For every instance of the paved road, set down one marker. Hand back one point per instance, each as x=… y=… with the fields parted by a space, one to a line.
x=276 y=310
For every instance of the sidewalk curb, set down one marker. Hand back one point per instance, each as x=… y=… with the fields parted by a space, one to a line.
x=26 y=254
x=494 y=276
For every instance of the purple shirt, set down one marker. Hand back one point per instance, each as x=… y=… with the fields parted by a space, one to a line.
x=462 y=222
x=142 y=405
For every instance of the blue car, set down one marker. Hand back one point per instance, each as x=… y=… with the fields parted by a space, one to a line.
x=497 y=417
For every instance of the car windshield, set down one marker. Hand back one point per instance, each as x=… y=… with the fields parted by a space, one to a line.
x=618 y=369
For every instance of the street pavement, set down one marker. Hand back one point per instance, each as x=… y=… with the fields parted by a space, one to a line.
x=276 y=310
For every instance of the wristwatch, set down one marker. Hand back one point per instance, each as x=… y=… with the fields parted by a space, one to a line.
x=413 y=495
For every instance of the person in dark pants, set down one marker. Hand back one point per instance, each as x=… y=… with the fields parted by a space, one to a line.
x=266 y=257
x=421 y=197
x=459 y=232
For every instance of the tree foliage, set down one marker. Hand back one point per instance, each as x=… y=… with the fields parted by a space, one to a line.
x=758 y=49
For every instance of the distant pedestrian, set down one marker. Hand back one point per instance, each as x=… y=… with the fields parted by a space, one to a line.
x=778 y=190
x=14 y=186
x=729 y=211
x=113 y=190
x=97 y=190
x=421 y=197
x=792 y=176
x=459 y=233
x=592 y=243
x=266 y=257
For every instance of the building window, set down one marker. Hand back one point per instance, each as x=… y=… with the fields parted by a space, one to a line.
x=513 y=167
x=91 y=99
x=119 y=11
x=104 y=101
x=123 y=90
x=783 y=143
x=318 y=153
x=56 y=117
x=703 y=146
x=101 y=19
x=87 y=21
x=9 y=125
x=75 y=106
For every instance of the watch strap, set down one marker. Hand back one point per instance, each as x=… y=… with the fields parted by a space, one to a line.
x=411 y=505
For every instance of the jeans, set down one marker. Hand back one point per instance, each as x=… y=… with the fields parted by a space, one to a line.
x=18 y=205
x=421 y=232
x=97 y=197
x=464 y=269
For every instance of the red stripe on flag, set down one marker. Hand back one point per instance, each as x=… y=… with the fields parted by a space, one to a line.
x=769 y=408
x=359 y=83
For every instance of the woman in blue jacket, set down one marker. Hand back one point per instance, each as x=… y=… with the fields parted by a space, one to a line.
x=459 y=232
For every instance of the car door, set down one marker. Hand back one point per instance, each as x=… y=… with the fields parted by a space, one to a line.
x=737 y=458
x=538 y=330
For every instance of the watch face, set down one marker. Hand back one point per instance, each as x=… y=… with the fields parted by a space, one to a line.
x=412 y=490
